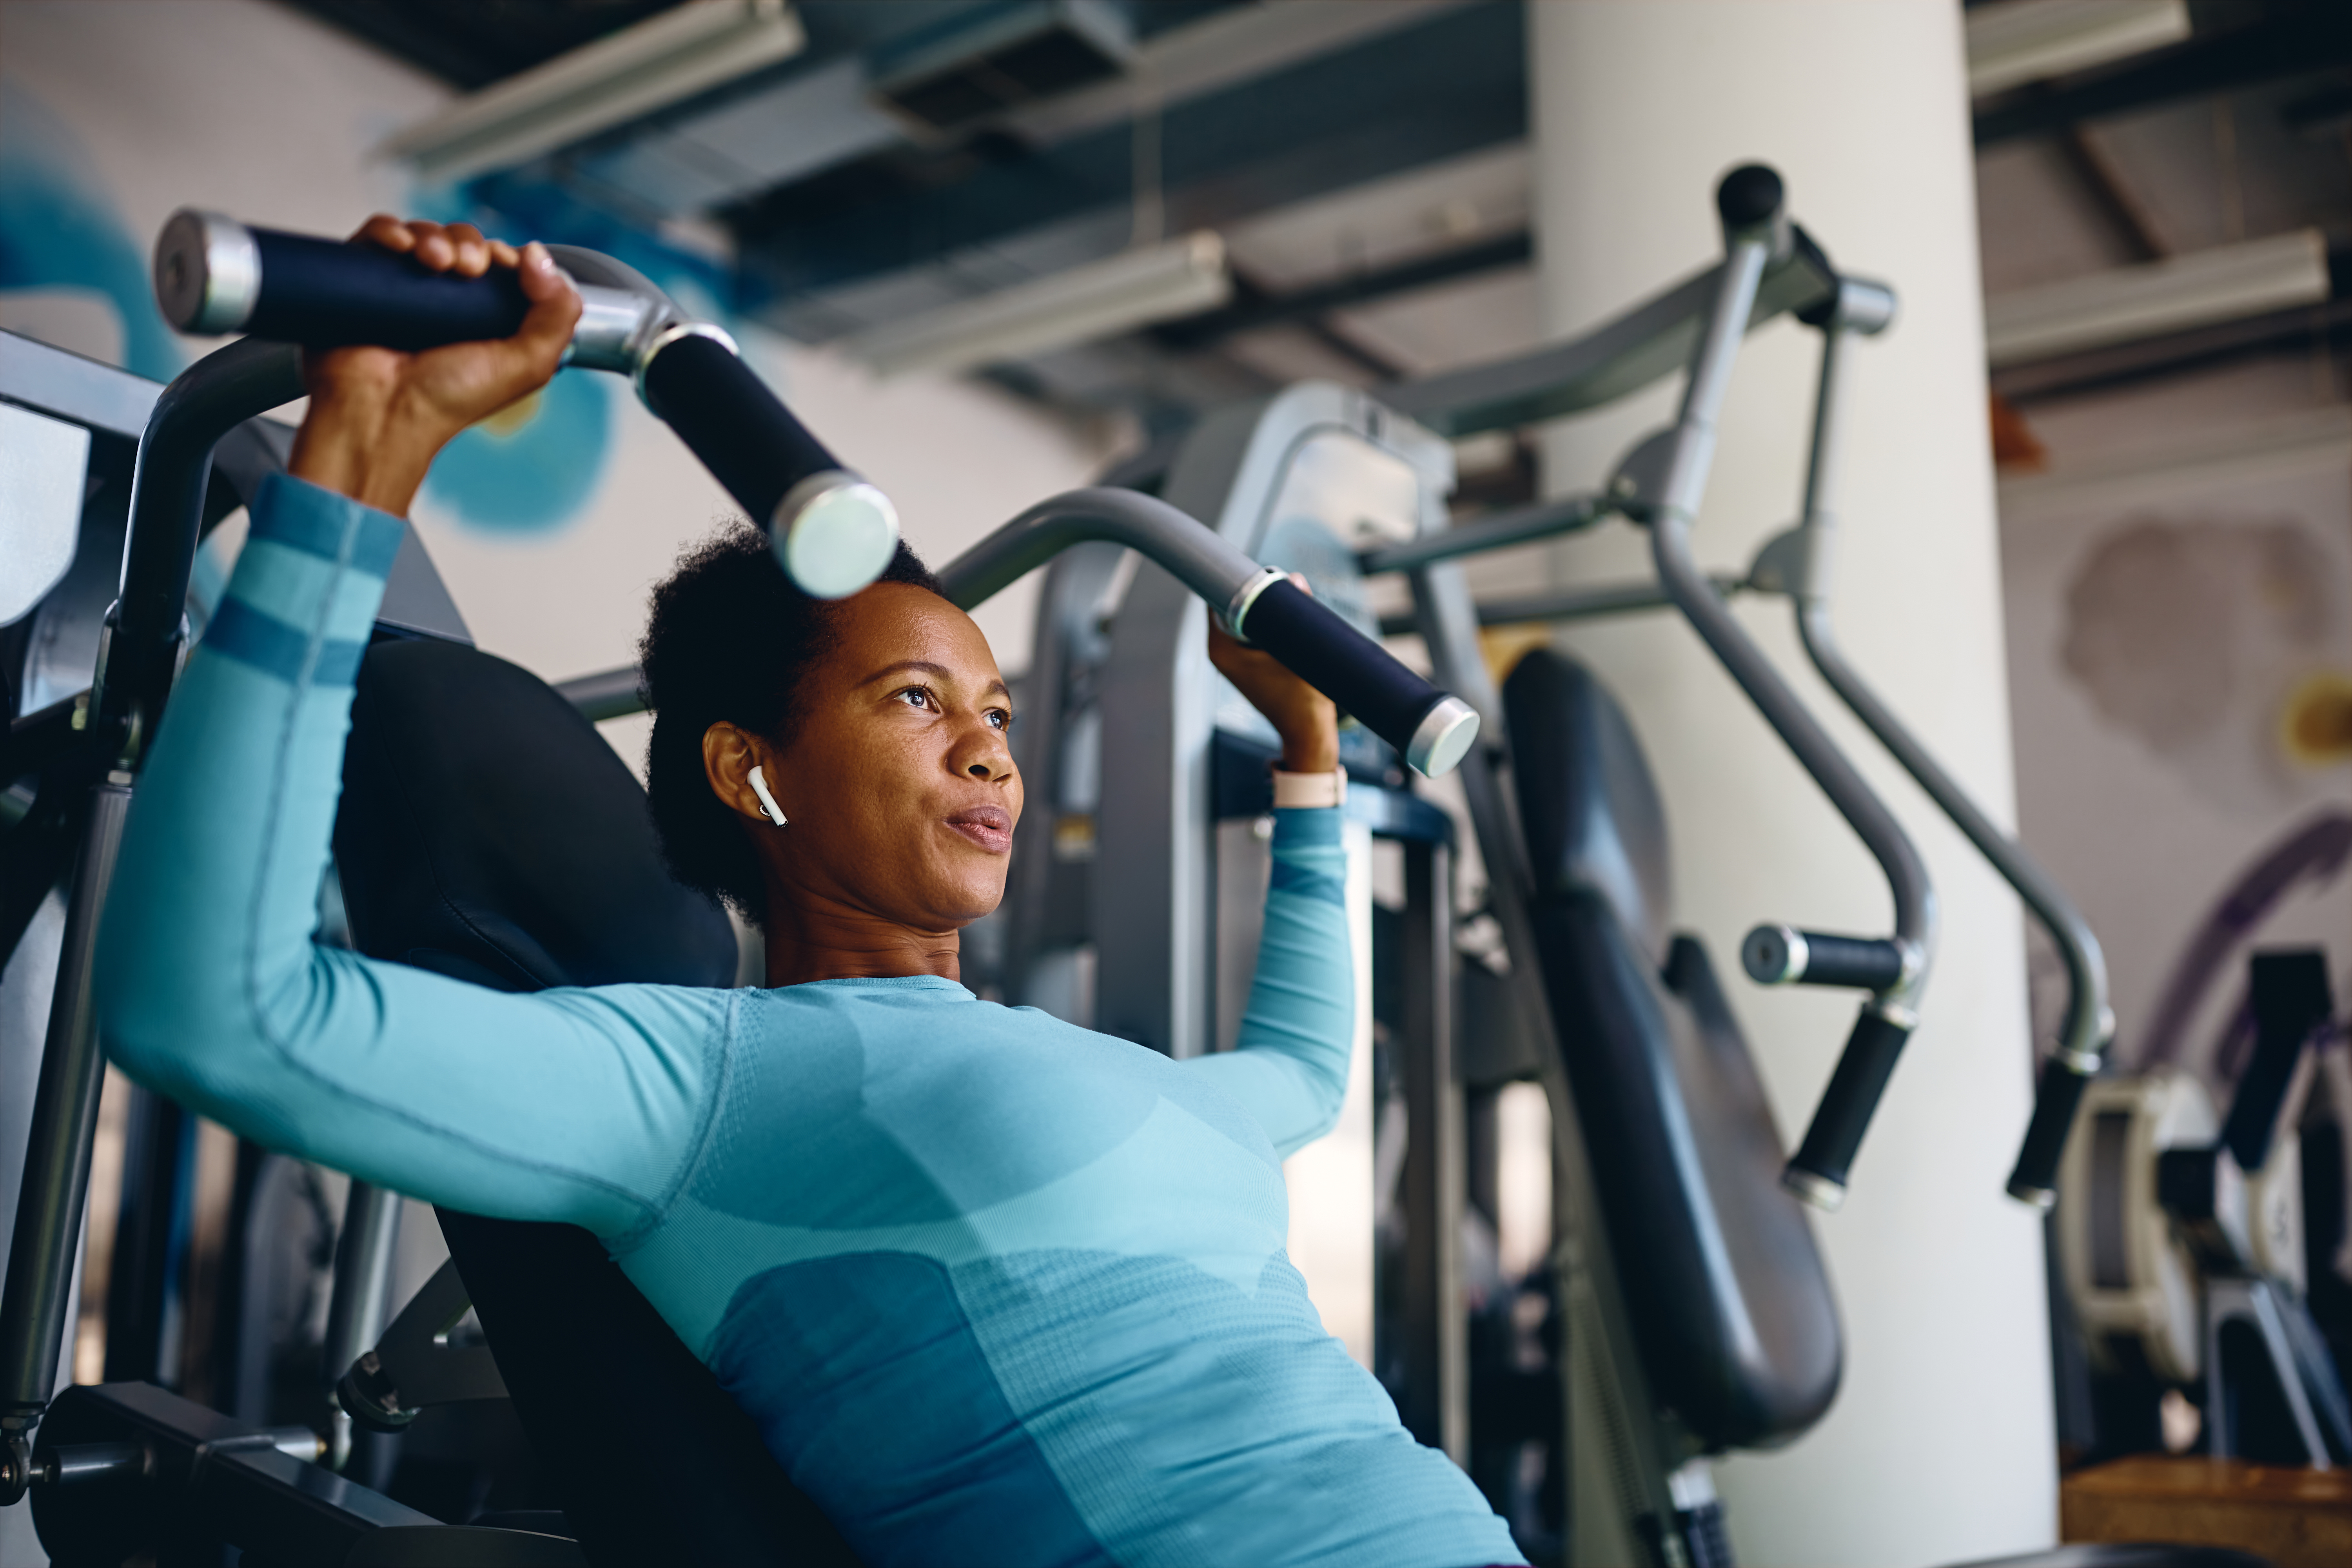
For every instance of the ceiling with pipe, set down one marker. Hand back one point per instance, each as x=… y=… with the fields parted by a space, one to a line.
x=1366 y=166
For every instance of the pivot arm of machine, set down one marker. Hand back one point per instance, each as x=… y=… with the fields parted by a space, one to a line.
x=1797 y=563
x=414 y=1365
x=1428 y=727
x=1644 y=344
x=1668 y=476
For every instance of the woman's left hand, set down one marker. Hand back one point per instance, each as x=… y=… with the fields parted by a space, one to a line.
x=1307 y=721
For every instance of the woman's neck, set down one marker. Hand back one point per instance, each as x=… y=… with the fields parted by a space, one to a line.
x=819 y=940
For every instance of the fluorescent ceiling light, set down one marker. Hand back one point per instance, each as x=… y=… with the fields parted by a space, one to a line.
x=2227 y=283
x=665 y=60
x=1130 y=290
x=2017 y=41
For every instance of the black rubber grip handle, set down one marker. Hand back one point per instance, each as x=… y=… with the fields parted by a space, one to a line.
x=1360 y=675
x=1818 y=1171
x=324 y=293
x=1778 y=955
x=742 y=432
x=2035 y=1179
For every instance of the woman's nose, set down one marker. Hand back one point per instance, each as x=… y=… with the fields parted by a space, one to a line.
x=985 y=755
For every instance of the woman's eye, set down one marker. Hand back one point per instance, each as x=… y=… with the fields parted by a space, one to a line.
x=997 y=718
x=916 y=696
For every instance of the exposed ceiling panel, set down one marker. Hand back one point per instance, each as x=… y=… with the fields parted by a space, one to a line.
x=1452 y=84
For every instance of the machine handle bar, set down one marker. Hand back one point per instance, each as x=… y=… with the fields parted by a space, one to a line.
x=214 y=275
x=1749 y=201
x=1818 y=1172
x=2035 y=1178
x=1783 y=955
x=1430 y=728
x=833 y=532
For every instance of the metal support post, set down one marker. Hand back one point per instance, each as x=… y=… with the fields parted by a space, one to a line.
x=58 y=1153
x=356 y=1305
x=1436 y=1329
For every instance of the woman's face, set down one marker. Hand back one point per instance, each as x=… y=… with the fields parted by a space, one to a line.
x=899 y=787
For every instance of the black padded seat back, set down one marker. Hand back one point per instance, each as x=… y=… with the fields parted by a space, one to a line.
x=488 y=832
x=1731 y=1308
x=499 y=838
x=1603 y=829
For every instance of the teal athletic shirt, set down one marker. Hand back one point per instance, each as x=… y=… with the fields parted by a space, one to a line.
x=996 y=1289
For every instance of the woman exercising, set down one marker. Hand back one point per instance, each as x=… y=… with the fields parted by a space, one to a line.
x=995 y=1289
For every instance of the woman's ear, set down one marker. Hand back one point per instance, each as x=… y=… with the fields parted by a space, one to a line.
x=731 y=756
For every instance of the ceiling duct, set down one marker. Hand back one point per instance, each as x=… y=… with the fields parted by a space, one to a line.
x=672 y=56
x=1133 y=288
x=992 y=59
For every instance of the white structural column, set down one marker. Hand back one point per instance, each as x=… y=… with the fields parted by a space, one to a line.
x=1939 y=1448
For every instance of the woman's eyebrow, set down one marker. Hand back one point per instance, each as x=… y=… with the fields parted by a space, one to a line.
x=939 y=670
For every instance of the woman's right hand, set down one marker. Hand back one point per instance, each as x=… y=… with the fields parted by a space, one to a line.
x=378 y=417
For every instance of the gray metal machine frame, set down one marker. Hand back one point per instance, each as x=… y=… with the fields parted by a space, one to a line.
x=1633 y=1473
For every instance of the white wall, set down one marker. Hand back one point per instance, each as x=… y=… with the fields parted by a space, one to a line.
x=1939 y=1448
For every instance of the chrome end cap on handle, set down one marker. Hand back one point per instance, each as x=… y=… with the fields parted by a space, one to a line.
x=833 y=533
x=207 y=272
x=1775 y=954
x=1819 y=1190
x=2032 y=1196
x=1442 y=738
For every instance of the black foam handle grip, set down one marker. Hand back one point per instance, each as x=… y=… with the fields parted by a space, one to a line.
x=1360 y=675
x=725 y=414
x=1851 y=1097
x=1780 y=955
x=324 y=293
x=1864 y=963
x=2035 y=1178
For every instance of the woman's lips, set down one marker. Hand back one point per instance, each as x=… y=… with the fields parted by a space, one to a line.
x=990 y=827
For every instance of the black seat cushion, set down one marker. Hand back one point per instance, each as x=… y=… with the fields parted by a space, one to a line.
x=1731 y=1308
x=488 y=832
x=1602 y=830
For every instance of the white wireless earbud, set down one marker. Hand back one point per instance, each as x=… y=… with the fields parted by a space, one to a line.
x=767 y=802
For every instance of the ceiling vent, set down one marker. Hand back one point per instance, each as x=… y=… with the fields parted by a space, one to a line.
x=1000 y=57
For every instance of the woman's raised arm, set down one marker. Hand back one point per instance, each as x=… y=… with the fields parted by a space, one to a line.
x=582 y=1106
x=1289 y=1065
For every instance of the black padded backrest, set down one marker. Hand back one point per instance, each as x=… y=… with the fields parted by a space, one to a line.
x=1730 y=1308
x=495 y=836
x=488 y=832
x=1603 y=829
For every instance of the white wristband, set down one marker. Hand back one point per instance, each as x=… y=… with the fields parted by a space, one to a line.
x=1309 y=790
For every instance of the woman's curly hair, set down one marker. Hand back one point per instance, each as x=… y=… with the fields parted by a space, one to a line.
x=730 y=638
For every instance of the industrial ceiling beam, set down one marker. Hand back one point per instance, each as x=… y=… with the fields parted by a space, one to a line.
x=2176 y=353
x=2299 y=38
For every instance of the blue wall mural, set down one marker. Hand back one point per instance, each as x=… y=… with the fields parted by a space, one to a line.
x=56 y=232
x=529 y=471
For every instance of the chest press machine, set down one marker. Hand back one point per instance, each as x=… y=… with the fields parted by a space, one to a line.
x=116 y=1469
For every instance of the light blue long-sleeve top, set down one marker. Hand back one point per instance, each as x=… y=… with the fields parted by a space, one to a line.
x=996 y=1289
